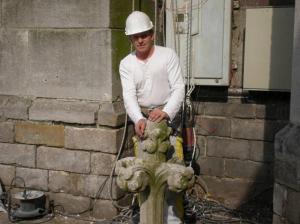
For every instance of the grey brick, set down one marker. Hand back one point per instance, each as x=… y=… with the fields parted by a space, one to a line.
x=39 y=133
x=19 y=154
x=255 y=129
x=69 y=111
x=61 y=14
x=211 y=166
x=239 y=110
x=212 y=126
x=261 y=151
x=102 y=163
x=111 y=114
x=61 y=159
x=71 y=203
x=248 y=169
x=7 y=131
x=7 y=173
x=87 y=185
x=97 y=139
x=104 y=209
x=228 y=148
x=14 y=107
x=34 y=178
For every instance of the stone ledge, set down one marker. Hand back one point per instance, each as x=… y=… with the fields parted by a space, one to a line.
x=69 y=111
x=111 y=114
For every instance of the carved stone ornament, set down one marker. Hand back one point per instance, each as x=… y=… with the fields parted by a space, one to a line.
x=150 y=173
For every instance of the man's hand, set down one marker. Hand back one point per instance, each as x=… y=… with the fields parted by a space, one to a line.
x=140 y=127
x=157 y=115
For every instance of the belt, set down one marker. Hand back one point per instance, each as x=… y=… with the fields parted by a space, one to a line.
x=146 y=110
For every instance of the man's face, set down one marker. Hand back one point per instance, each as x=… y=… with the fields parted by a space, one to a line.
x=142 y=42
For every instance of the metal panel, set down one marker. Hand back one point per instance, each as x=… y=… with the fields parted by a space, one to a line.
x=268 y=48
x=210 y=38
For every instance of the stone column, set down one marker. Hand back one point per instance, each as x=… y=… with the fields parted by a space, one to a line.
x=287 y=148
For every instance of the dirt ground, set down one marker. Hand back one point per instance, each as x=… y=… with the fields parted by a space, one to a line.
x=56 y=220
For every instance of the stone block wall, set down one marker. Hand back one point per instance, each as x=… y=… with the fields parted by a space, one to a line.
x=62 y=149
x=236 y=142
x=61 y=118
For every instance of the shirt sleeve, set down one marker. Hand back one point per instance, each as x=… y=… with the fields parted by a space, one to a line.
x=177 y=85
x=129 y=93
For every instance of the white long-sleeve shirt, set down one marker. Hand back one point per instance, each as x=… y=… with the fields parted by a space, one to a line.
x=151 y=83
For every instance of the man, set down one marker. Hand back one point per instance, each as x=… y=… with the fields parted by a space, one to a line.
x=151 y=75
x=151 y=80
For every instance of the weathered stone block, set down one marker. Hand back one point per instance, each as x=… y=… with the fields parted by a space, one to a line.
x=202 y=145
x=104 y=209
x=58 y=14
x=111 y=114
x=97 y=139
x=6 y=131
x=7 y=173
x=71 y=203
x=293 y=205
x=279 y=219
x=61 y=159
x=34 y=178
x=287 y=141
x=70 y=111
x=248 y=169
x=198 y=107
x=12 y=106
x=279 y=199
x=51 y=63
x=212 y=126
x=101 y=163
x=230 y=110
x=287 y=172
x=255 y=129
x=19 y=154
x=261 y=151
x=273 y=111
x=232 y=192
x=40 y=134
x=87 y=185
x=228 y=148
x=211 y=166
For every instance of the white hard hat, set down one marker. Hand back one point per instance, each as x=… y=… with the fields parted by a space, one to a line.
x=137 y=22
